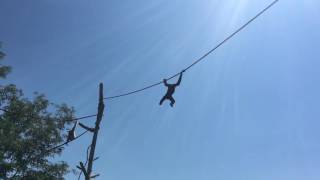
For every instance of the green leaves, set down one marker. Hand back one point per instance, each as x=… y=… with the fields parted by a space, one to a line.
x=4 y=70
x=27 y=129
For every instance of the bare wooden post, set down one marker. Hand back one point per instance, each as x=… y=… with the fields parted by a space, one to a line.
x=95 y=135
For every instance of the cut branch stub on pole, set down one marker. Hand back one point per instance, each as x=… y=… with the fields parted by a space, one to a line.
x=95 y=133
x=86 y=127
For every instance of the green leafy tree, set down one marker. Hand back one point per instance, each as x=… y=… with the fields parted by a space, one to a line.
x=4 y=70
x=28 y=129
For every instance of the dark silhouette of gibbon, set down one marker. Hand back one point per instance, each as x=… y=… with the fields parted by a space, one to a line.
x=72 y=133
x=170 y=91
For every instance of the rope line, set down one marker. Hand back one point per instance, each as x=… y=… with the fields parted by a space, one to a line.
x=202 y=57
x=69 y=120
x=84 y=117
x=75 y=119
x=58 y=146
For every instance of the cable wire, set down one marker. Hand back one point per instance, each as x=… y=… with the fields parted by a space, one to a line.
x=68 y=120
x=202 y=57
x=84 y=117
x=58 y=146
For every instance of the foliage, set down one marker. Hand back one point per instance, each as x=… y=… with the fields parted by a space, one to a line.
x=28 y=128
x=4 y=70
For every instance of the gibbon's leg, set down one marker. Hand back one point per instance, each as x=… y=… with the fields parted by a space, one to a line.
x=161 y=101
x=172 y=101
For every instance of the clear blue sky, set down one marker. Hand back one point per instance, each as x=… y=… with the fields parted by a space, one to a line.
x=250 y=111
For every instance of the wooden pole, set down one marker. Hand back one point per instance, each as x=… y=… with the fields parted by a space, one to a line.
x=95 y=135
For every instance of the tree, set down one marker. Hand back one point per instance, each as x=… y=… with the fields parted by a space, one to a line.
x=28 y=128
x=4 y=70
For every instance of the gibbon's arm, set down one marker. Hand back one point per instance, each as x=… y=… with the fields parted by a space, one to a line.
x=179 y=81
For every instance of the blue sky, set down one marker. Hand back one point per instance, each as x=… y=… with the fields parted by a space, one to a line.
x=250 y=111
